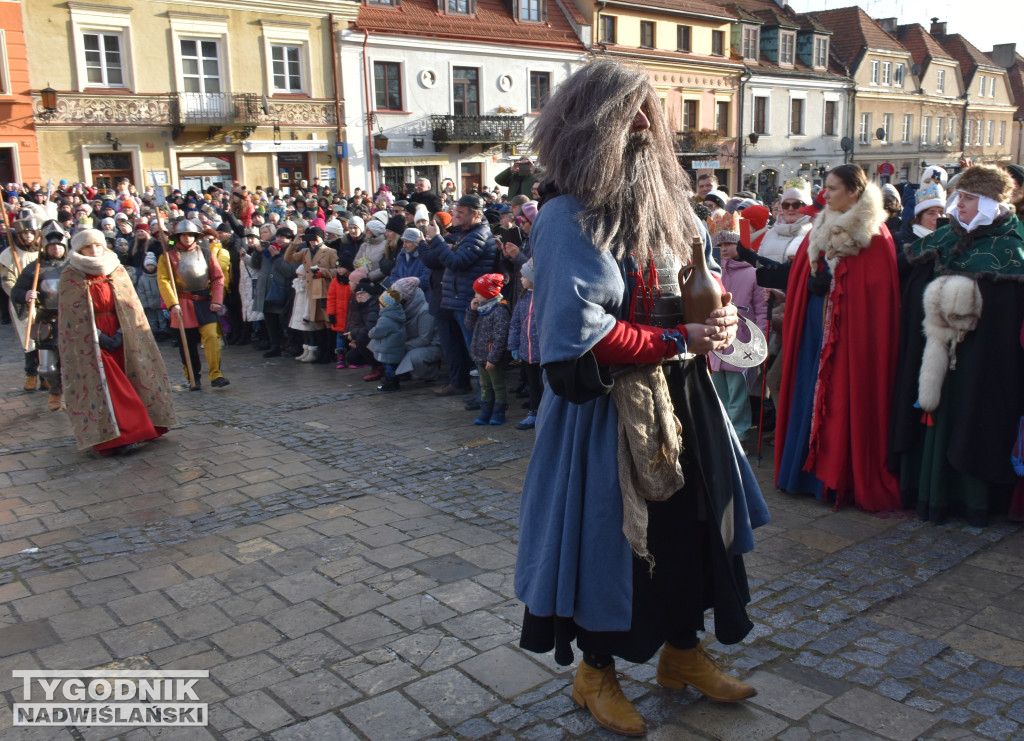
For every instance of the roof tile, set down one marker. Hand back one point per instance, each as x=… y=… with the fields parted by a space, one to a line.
x=920 y=44
x=853 y=30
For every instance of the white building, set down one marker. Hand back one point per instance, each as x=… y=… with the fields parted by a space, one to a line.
x=452 y=87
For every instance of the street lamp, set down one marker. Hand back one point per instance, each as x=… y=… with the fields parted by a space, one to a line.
x=49 y=96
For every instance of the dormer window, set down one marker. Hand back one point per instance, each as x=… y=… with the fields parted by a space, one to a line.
x=384 y=3
x=718 y=43
x=458 y=7
x=787 y=47
x=751 y=49
x=606 y=27
x=820 y=52
x=530 y=10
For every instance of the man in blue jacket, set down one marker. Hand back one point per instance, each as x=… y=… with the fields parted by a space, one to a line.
x=468 y=252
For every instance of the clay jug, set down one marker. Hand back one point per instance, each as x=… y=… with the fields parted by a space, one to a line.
x=702 y=294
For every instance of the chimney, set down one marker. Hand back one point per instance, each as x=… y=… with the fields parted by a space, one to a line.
x=938 y=28
x=888 y=25
x=1005 y=55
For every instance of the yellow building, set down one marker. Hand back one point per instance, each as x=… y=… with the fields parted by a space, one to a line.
x=685 y=46
x=196 y=94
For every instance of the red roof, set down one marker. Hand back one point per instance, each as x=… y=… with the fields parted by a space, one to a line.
x=853 y=30
x=693 y=7
x=1016 y=75
x=921 y=44
x=492 y=22
x=675 y=56
x=967 y=55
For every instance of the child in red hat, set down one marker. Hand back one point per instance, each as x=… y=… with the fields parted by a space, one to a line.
x=488 y=318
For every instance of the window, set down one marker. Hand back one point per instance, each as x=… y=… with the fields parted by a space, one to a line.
x=647 y=34
x=466 y=91
x=978 y=132
x=104 y=66
x=901 y=73
x=908 y=125
x=5 y=80
x=718 y=43
x=286 y=63
x=722 y=118
x=529 y=10
x=1002 y=133
x=683 y=36
x=952 y=130
x=829 y=127
x=887 y=73
x=387 y=86
x=981 y=91
x=926 y=125
x=865 y=128
x=689 y=115
x=458 y=6
x=887 y=127
x=990 y=139
x=540 y=89
x=968 y=130
x=939 y=131
x=787 y=43
x=200 y=66
x=820 y=52
x=750 y=43
x=874 y=72
x=991 y=87
x=760 y=123
x=607 y=23
x=796 y=116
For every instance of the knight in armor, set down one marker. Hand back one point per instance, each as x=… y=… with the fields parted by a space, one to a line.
x=194 y=298
x=638 y=503
x=53 y=257
x=13 y=260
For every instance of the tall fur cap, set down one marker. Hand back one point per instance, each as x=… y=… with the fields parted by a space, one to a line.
x=987 y=180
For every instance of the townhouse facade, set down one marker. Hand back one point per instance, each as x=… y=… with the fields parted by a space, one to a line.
x=686 y=47
x=1006 y=56
x=988 y=116
x=19 y=152
x=446 y=89
x=795 y=106
x=205 y=94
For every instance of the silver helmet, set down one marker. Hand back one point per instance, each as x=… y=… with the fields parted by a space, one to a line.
x=26 y=221
x=187 y=227
x=54 y=232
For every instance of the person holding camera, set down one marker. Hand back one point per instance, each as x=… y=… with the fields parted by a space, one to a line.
x=518 y=178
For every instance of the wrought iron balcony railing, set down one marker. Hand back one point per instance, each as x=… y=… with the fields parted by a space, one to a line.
x=214 y=109
x=478 y=129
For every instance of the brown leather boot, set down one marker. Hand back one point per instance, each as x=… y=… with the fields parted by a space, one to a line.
x=598 y=691
x=54 y=403
x=678 y=668
x=43 y=385
x=30 y=383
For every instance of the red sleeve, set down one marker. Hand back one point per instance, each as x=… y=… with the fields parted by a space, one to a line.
x=635 y=343
x=216 y=281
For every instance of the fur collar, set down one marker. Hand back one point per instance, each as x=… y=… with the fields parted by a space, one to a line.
x=844 y=234
x=103 y=264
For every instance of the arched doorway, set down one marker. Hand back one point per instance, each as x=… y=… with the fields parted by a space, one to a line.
x=767 y=180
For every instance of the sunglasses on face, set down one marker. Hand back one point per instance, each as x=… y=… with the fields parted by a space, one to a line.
x=791 y=205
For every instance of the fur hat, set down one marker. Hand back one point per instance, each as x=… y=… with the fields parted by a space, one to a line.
x=412 y=235
x=725 y=227
x=406 y=287
x=929 y=196
x=489 y=285
x=375 y=227
x=987 y=180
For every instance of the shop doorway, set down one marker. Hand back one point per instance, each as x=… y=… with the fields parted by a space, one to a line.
x=200 y=171
x=8 y=172
x=471 y=177
x=292 y=167
x=108 y=169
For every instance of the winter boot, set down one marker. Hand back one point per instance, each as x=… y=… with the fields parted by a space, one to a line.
x=498 y=415
x=304 y=355
x=54 y=404
x=30 y=383
x=486 y=407
x=529 y=422
x=390 y=385
x=695 y=667
x=598 y=691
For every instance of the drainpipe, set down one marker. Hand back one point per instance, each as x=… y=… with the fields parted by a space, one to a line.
x=337 y=96
x=369 y=124
x=963 y=128
x=740 y=146
x=851 y=117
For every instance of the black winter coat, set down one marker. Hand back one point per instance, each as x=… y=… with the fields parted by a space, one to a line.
x=475 y=253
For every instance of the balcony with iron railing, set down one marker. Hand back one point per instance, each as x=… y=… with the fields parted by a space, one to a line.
x=698 y=141
x=468 y=130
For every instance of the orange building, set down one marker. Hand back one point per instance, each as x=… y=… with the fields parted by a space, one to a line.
x=19 y=152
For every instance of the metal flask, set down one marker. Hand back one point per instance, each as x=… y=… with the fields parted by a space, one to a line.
x=193 y=272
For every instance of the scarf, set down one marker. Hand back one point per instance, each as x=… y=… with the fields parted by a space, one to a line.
x=486 y=307
x=102 y=264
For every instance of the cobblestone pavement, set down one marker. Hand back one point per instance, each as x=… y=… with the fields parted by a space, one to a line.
x=341 y=562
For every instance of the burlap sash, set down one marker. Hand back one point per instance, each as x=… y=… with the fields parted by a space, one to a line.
x=650 y=442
